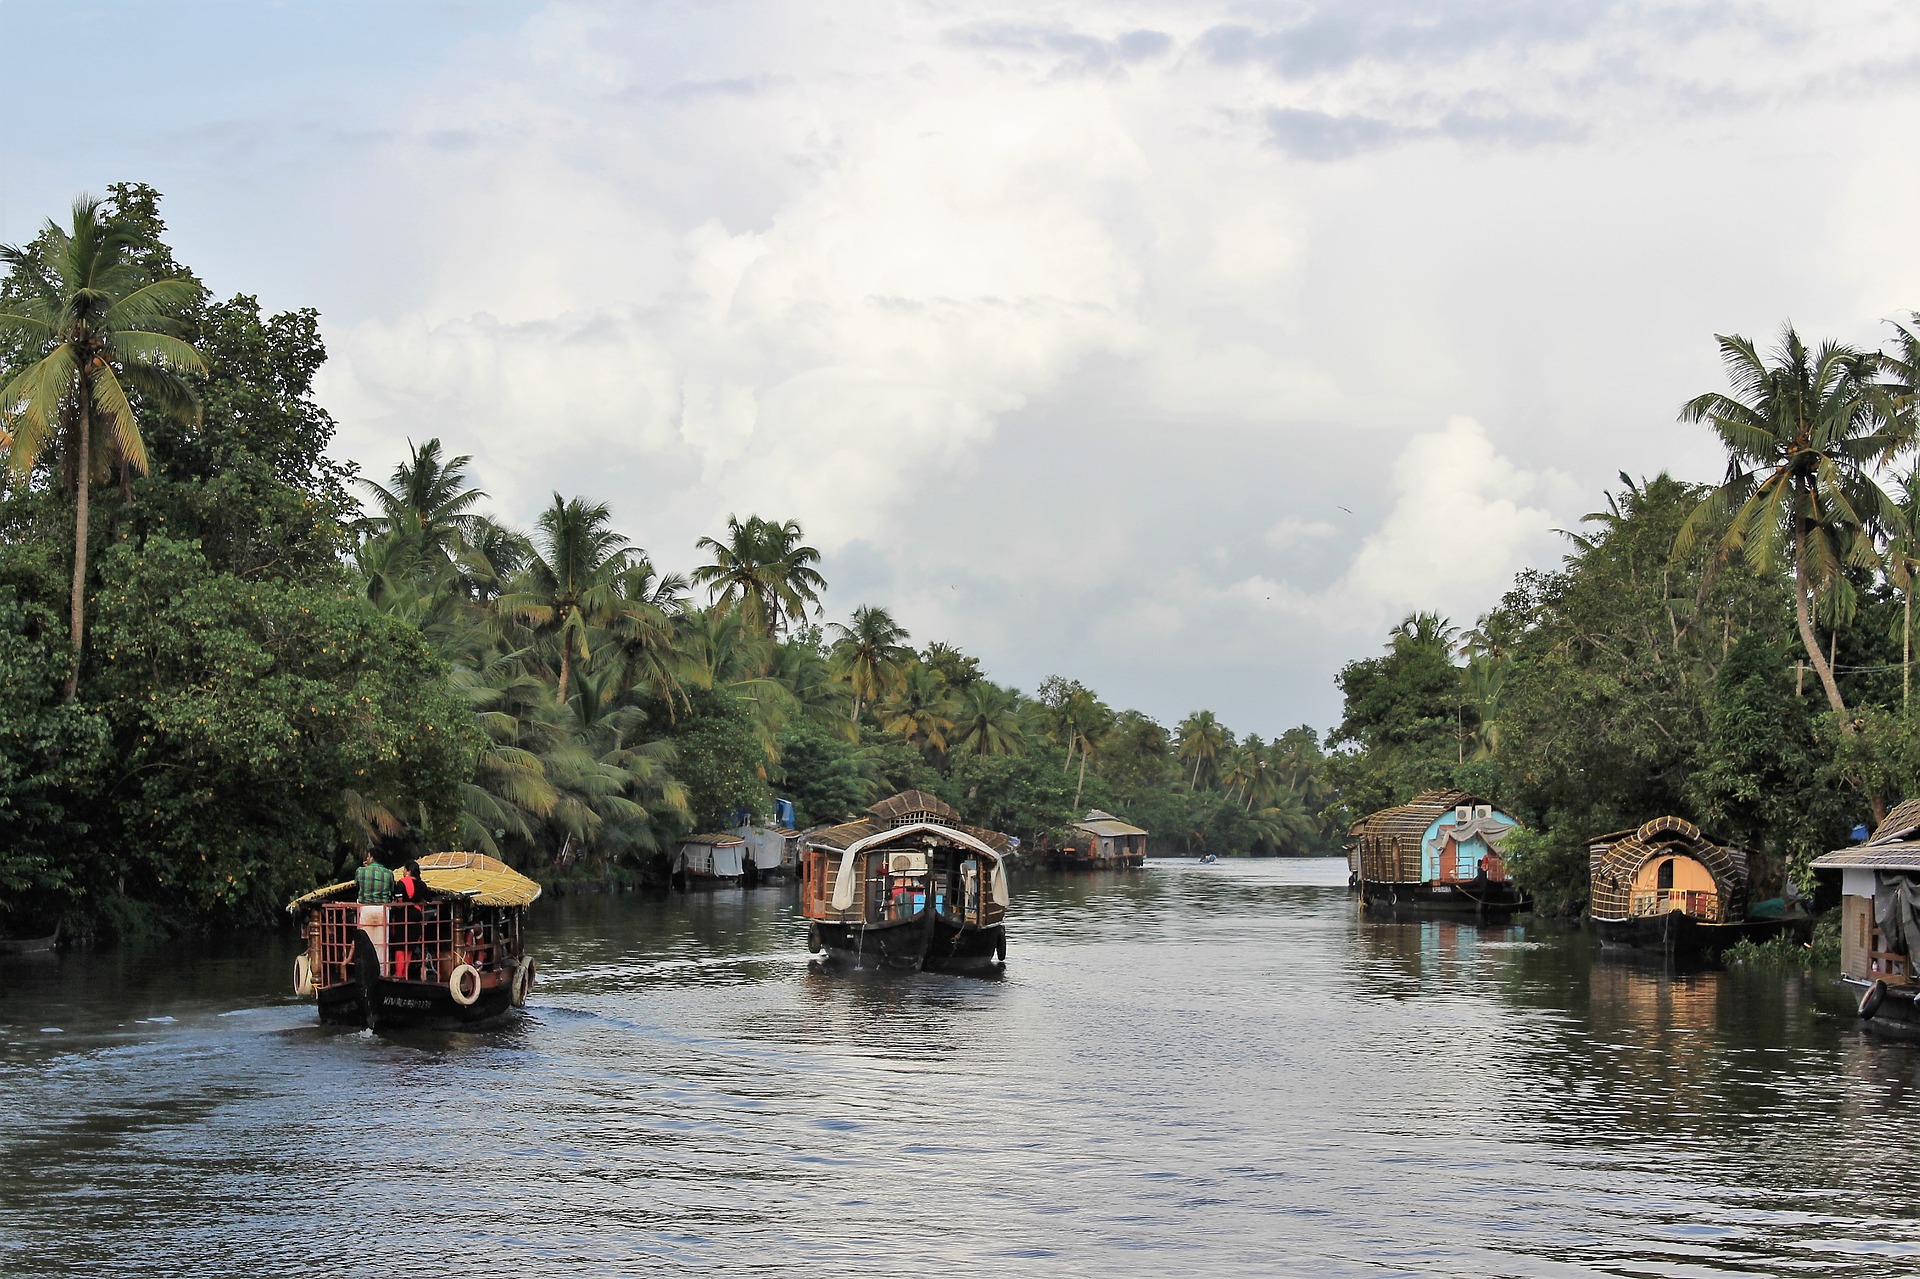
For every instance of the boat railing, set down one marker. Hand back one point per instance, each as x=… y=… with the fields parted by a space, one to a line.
x=1700 y=905
x=413 y=941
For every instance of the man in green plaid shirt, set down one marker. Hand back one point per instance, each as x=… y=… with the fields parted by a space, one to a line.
x=374 y=881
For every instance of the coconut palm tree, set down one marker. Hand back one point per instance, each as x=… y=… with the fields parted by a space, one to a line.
x=987 y=721
x=763 y=569
x=1804 y=432
x=98 y=328
x=429 y=503
x=1203 y=739
x=868 y=653
x=920 y=708
x=572 y=582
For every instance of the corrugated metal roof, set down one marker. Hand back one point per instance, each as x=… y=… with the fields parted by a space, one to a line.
x=1874 y=856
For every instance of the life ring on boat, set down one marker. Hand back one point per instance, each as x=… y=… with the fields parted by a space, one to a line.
x=303 y=976
x=521 y=984
x=464 y=985
x=1871 y=1001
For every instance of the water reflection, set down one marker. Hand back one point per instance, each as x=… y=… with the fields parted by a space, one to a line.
x=1222 y=1068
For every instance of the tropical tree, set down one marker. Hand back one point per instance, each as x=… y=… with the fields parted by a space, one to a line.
x=920 y=708
x=101 y=328
x=869 y=653
x=1202 y=739
x=1903 y=563
x=428 y=502
x=1804 y=432
x=987 y=721
x=765 y=570
x=572 y=582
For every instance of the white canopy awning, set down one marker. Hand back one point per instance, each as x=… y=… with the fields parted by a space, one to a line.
x=844 y=881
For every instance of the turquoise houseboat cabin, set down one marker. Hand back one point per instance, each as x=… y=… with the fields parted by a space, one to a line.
x=1438 y=852
x=1880 y=921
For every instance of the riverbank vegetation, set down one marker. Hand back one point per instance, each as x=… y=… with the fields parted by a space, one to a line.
x=229 y=661
x=1738 y=654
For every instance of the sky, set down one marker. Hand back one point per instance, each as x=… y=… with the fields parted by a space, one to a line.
x=1178 y=348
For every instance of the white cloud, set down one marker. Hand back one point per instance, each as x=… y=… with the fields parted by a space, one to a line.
x=1295 y=530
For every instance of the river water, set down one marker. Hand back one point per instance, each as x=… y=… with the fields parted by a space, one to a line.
x=1215 y=1069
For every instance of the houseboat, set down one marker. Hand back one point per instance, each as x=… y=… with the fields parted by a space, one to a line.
x=773 y=848
x=1101 y=842
x=909 y=886
x=1880 y=921
x=709 y=861
x=457 y=953
x=1438 y=852
x=1667 y=888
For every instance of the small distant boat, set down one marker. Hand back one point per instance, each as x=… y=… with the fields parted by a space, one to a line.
x=31 y=945
x=1667 y=888
x=909 y=887
x=458 y=954
x=709 y=861
x=1438 y=853
x=1208 y=859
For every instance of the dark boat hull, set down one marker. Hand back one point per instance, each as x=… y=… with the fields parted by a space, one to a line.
x=1480 y=900
x=1676 y=934
x=409 y=1003
x=911 y=945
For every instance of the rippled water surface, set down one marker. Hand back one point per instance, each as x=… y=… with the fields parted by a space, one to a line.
x=1215 y=1069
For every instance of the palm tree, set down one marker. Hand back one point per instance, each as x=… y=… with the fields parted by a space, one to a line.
x=988 y=721
x=429 y=502
x=763 y=569
x=1202 y=739
x=869 y=654
x=573 y=579
x=101 y=328
x=1803 y=434
x=919 y=709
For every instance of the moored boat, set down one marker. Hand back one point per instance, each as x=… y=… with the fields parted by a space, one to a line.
x=1438 y=853
x=1664 y=887
x=1101 y=841
x=1880 y=921
x=772 y=848
x=456 y=954
x=709 y=861
x=909 y=887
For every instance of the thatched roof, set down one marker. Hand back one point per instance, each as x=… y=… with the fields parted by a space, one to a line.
x=1895 y=844
x=1106 y=825
x=1385 y=846
x=718 y=840
x=481 y=879
x=1614 y=860
x=903 y=809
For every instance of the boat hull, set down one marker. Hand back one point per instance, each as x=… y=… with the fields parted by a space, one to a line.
x=1897 y=1017
x=409 y=1003
x=911 y=945
x=1674 y=933
x=1477 y=899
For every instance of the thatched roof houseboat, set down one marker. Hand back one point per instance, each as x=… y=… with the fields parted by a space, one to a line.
x=1101 y=842
x=456 y=952
x=1439 y=851
x=1666 y=887
x=1880 y=920
x=908 y=886
x=709 y=861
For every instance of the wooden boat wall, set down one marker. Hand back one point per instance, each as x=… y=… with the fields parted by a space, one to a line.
x=1437 y=853
x=709 y=861
x=1102 y=842
x=910 y=886
x=457 y=954
x=1667 y=888
x=1880 y=921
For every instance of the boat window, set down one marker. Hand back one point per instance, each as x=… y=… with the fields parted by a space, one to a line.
x=1666 y=874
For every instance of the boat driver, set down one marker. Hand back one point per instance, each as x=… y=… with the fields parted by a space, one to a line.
x=374 y=883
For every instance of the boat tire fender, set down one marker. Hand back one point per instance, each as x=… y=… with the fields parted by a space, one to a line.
x=1871 y=1001
x=522 y=983
x=464 y=985
x=814 y=944
x=303 y=976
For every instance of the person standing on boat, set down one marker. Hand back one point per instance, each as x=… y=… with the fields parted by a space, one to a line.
x=374 y=883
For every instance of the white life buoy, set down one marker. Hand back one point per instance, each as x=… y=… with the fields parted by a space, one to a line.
x=522 y=983
x=303 y=975
x=464 y=985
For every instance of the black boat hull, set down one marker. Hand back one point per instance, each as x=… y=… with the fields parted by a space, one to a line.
x=911 y=945
x=409 y=1003
x=1674 y=933
x=1478 y=900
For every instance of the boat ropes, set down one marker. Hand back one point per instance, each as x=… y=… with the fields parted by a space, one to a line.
x=455 y=952
x=908 y=886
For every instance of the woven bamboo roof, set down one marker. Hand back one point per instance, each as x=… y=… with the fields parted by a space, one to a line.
x=1614 y=860
x=1106 y=825
x=718 y=840
x=900 y=810
x=482 y=879
x=1892 y=847
x=1384 y=847
x=913 y=805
